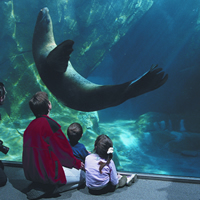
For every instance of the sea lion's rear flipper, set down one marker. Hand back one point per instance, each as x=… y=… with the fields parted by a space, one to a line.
x=151 y=80
x=58 y=58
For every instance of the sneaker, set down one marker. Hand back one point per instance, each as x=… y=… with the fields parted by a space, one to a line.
x=122 y=181
x=131 y=179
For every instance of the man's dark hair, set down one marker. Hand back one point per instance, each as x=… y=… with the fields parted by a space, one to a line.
x=39 y=104
x=74 y=133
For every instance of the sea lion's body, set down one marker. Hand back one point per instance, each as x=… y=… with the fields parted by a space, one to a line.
x=71 y=88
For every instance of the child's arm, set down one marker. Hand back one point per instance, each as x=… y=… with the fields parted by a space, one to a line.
x=113 y=173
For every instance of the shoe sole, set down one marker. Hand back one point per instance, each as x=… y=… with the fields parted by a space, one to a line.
x=133 y=180
x=122 y=181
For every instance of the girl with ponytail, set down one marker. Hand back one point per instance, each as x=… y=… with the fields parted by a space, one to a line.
x=101 y=174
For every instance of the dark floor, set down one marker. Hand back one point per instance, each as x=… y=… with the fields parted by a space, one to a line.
x=145 y=188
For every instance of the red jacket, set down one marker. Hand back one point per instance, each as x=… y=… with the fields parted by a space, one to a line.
x=45 y=151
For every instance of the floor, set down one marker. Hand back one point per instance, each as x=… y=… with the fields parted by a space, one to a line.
x=147 y=187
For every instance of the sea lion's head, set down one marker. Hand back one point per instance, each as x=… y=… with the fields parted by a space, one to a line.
x=43 y=29
x=44 y=22
x=43 y=38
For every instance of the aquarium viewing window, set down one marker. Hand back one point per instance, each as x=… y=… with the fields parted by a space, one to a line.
x=156 y=133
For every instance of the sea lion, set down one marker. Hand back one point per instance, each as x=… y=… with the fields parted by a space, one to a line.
x=71 y=88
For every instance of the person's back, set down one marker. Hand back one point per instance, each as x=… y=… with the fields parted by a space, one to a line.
x=47 y=154
x=74 y=133
x=39 y=162
x=101 y=174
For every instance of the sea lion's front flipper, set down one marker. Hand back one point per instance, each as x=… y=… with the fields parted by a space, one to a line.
x=58 y=58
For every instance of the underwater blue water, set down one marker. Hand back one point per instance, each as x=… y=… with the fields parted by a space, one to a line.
x=165 y=35
x=157 y=132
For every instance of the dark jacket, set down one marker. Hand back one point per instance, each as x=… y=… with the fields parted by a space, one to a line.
x=79 y=151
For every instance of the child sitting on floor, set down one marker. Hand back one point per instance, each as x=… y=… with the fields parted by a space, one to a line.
x=101 y=174
x=74 y=133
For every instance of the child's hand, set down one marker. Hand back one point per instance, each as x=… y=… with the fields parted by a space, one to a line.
x=119 y=176
x=82 y=166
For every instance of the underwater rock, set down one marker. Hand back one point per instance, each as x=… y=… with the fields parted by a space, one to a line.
x=153 y=121
x=189 y=153
x=155 y=140
x=191 y=121
x=182 y=126
x=7 y=34
x=7 y=19
x=162 y=125
x=89 y=137
x=184 y=142
x=90 y=120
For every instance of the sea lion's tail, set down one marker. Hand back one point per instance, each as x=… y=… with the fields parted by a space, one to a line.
x=150 y=80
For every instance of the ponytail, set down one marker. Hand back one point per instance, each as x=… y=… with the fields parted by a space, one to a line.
x=104 y=148
x=103 y=164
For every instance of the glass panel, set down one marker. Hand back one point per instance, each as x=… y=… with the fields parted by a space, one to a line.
x=115 y=42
